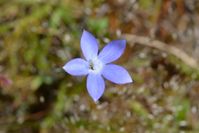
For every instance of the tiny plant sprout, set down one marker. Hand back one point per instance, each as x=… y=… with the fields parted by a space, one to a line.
x=98 y=66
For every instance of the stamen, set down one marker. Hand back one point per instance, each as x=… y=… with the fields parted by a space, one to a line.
x=91 y=65
x=95 y=65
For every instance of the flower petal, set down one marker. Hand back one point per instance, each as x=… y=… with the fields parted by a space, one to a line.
x=95 y=86
x=89 y=45
x=76 y=67
x=116 y=74
x=112 y=51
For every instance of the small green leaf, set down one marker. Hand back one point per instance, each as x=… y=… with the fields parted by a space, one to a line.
x=98 y=25
x=138 y=108
x=37 y=82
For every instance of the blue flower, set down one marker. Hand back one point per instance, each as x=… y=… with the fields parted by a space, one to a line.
x=98 y=66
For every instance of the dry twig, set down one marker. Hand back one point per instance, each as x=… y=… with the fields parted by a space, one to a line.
x=133 y=39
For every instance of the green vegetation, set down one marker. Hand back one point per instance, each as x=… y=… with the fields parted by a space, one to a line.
x=37 y=37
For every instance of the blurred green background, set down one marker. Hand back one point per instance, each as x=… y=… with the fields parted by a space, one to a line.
x=37 y=37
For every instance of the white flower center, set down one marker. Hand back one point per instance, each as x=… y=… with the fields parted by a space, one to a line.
x=95 y=66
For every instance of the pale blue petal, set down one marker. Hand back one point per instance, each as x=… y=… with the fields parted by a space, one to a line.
x=95 y=86
x=76 y=67
x=112 y=51
x=89 y=45
x=116 y=74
